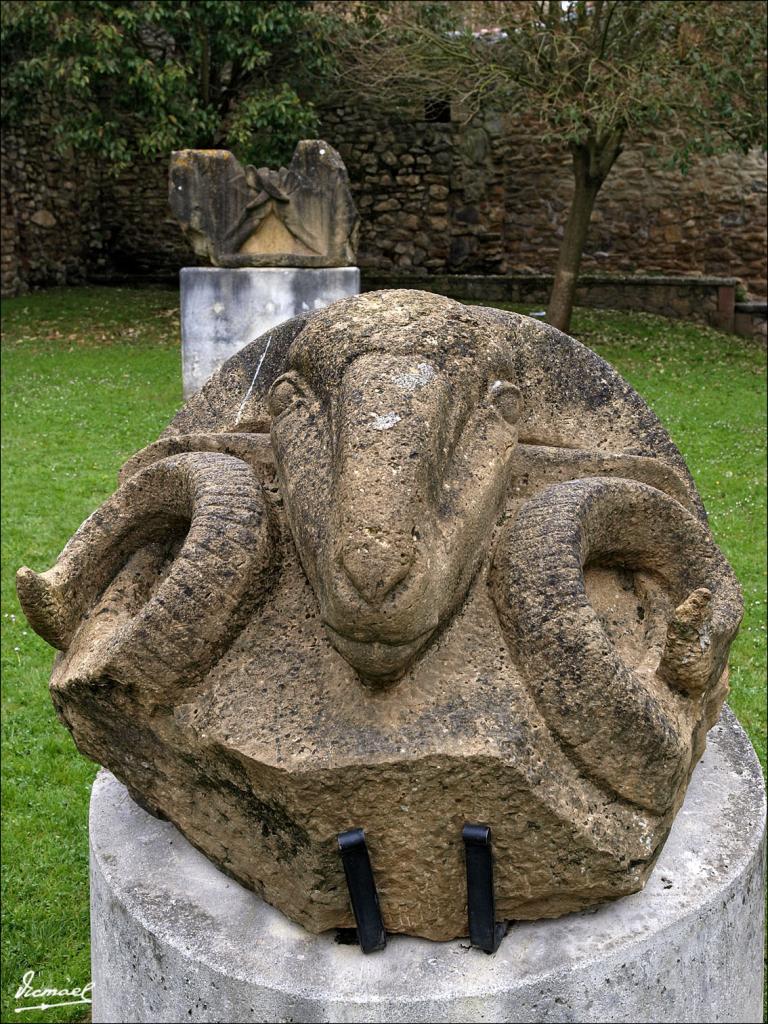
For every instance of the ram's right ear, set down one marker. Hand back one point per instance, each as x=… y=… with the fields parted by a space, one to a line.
x=507 y=400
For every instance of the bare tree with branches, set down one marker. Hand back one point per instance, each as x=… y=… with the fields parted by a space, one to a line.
x=593 y=75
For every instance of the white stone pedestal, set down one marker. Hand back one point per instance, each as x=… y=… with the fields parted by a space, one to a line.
x=222 y=310
x=173 y=939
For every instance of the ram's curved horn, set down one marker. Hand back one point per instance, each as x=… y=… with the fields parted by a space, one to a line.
x=255 y=449
x=216 y=504
x=544 y=465
x=628 y=732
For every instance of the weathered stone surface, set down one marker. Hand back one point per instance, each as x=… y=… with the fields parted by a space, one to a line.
x=400 y=564
x=43 y=219
x=302 y=216
x=224 y=309
x=173 y=939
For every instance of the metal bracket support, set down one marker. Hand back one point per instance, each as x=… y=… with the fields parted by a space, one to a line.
x=484 y=931
x=362 y=890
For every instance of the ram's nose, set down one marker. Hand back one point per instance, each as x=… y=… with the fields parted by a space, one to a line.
x=374 y=567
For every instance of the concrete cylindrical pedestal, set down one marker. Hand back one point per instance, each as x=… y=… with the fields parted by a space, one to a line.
x=173 y=939
x=224 y=309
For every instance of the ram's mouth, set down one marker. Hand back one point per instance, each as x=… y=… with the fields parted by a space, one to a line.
x=378 y=663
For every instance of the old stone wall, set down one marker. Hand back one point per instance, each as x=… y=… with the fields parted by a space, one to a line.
x=491 y=198
x=51 y=224
x=145 y=239
x=709 y=300
x=434 y=198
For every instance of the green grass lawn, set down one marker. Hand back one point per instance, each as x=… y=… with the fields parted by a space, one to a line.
x=90 y=375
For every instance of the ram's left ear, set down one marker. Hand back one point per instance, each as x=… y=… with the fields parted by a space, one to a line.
x=507 y=400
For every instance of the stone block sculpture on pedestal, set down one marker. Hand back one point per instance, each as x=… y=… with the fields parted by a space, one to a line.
x=281 y=242
x=402 y=564
x=299 y=216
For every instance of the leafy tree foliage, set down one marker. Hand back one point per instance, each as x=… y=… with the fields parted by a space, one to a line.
x=143 y=77
x=593 y=75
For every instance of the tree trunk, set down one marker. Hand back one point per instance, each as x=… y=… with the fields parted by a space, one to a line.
x=591 y=164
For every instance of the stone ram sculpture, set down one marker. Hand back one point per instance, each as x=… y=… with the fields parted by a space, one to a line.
x=402 y=563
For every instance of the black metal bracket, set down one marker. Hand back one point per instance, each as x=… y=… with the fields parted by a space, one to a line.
x=362 y=890
x=484 y=931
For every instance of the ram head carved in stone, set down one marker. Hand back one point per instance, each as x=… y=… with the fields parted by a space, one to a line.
x=401 y=564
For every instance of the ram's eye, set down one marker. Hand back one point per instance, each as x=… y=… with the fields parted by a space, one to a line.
x=285 y=392
x=507 y=399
